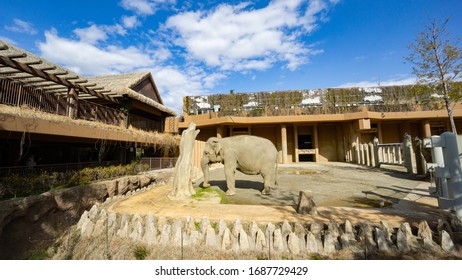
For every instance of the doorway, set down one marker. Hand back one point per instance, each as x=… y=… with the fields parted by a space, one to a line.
x=305 y=143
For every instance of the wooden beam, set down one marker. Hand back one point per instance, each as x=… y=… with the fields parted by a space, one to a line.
x=42 y=83
x=51 y=86
x=51 y=77
x=34 y=62
x=16 y=55
x=13 y=71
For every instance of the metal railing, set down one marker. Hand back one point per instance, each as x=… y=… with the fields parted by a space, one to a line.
x=158 y=162
x=65 y=167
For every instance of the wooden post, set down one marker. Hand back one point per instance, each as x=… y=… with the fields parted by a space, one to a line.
x=72 y=103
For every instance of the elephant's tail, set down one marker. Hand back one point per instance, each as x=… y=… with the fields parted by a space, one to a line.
x=276 y=175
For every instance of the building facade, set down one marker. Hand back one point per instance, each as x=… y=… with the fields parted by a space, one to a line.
x=322 y=125
x=52 y=115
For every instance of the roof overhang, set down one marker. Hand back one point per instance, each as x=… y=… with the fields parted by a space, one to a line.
x=33 y=71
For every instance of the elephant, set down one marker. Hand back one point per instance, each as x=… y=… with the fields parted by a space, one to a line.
x=249 y=154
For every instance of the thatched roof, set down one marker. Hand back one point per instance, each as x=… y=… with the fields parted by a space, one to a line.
x=123 y=84
x=34 y=71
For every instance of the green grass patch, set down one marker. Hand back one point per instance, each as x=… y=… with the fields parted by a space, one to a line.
x=204 y=193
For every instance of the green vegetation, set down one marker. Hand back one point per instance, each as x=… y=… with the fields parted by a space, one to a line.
x=140 y=252
x=207 y=192
x=19 y=185
x=403 y=98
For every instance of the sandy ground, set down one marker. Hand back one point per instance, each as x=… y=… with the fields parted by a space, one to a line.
x=341 y=191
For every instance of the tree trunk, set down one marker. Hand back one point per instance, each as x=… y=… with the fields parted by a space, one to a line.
x=182 y=176
x=447 y=102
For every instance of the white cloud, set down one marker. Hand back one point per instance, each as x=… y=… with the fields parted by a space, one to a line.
x=95 y=33
x=130 y=22
x=144 y=7
x=21 y=27
x=91 y=34
x=87 y=59
x=241 y=38
x=174 y=84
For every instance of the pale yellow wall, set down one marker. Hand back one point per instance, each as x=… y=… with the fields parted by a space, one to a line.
x=327 y=138
x=268 y=132
x=391 y=133
x=206 y=133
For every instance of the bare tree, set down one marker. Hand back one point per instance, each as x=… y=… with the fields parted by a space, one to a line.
x=437 y=62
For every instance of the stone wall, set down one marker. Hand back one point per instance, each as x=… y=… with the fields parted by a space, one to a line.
x=31 y=224
x=296 y=240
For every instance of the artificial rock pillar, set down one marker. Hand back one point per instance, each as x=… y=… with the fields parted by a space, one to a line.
x=184 y=167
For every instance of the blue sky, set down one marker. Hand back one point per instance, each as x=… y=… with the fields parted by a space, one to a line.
x=203 y=47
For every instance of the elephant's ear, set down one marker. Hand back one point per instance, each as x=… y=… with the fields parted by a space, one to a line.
x=215 y=143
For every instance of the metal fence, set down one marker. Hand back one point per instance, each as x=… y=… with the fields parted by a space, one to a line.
x=159 y=162
x=65 y=167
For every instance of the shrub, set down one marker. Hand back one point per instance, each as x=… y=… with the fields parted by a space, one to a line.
x=17 y=185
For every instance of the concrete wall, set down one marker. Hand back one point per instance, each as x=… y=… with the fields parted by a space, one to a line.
x=391 y=133
x=283 y=240
x=327 y=138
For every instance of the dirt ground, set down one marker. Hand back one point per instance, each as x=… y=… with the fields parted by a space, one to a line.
x=340 y=190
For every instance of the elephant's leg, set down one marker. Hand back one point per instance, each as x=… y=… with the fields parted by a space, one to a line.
x=267 y=183
x=230 y=171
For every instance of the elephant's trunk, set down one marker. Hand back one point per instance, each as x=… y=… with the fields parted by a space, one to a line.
x=205 y=170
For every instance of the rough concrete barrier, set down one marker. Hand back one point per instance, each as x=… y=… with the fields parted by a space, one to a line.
x=296 y=239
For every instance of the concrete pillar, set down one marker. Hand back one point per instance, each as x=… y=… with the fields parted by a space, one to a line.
x=284 y=142
x=220 y=131
x=315 y=142
x=296 y=143
x=426 y=128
